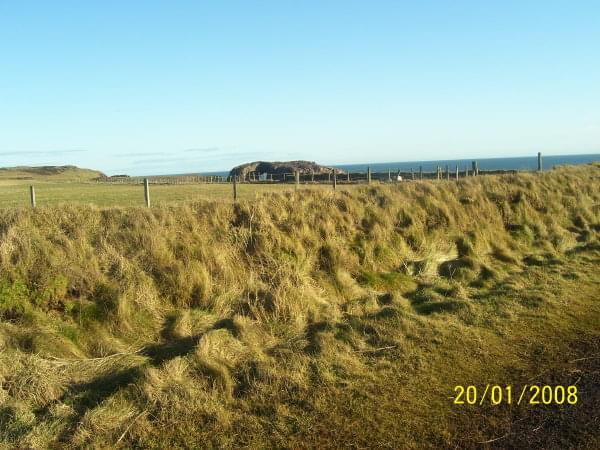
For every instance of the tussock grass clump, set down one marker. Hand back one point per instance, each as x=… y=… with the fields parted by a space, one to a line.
x=164 y=326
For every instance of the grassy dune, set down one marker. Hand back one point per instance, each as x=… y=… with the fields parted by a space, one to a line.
x=309 y=319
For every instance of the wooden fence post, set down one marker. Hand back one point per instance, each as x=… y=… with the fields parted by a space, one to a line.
x=234 y=188
x=32 y=196
x=447 y=172
x=420 y=172
x=312 y=175
x=297 y=173
x=348 y=176
x=147 y=192
x=457 y=172
x=540 y=161
x=369 y=175
x=389 y=175
x=334 y=179
x=412 y=173
x=466 y=171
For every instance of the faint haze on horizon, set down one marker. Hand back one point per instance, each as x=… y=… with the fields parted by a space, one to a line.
x=174 y=87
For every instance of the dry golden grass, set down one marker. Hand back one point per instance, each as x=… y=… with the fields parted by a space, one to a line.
x=308 y=319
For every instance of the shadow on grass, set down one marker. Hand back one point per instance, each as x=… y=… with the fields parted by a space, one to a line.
x=86 y=396
x=427 y=300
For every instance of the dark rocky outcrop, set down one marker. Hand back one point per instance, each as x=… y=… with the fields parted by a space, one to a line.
x=280 y=168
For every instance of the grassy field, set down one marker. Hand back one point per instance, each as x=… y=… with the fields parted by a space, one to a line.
x=51 y=193
x=74 y=186
x=305 y=320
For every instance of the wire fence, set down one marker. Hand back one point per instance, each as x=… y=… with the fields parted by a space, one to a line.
x=333 y=177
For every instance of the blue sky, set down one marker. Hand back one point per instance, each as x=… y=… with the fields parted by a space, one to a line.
x=173 y=86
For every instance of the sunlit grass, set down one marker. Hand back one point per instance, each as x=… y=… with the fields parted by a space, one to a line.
x=107 y=194
x=309 y=319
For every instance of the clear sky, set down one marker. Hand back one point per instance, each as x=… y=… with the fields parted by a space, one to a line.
x=145 y=87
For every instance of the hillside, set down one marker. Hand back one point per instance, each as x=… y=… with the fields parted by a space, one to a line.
x=49 y=173
x=310 y=319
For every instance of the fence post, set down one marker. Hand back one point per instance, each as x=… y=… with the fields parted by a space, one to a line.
x=32 y=196
x=234 y=188
x=539 y=161
x=147 y=192
x=389 y=175
x=420 y=172
x=474 y=167
x=447 y=172
x=334 y=179
x=312 y=175
x=348 y=176
x=457 y=172
x=369 y=175
x=466 y=171
x=297 y=174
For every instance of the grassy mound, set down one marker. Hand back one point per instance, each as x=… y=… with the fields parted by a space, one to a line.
x=49 y=173
x=289 y=320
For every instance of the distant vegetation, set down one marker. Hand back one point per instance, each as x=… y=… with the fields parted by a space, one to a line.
x=310 y=319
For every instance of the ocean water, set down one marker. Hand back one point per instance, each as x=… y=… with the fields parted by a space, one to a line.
x=520 y=163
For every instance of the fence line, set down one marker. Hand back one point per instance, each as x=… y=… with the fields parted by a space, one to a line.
x=306 y=178
x=297 y=178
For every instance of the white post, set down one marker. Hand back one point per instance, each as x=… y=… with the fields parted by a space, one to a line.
x=32 y=196
x=147 y=192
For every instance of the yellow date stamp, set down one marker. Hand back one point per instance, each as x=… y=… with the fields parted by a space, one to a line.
x=529 y=394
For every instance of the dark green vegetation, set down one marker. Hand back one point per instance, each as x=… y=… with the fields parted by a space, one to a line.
x=315 y=319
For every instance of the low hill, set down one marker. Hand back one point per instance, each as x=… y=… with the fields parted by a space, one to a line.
x=58 y=173
x=280 y=167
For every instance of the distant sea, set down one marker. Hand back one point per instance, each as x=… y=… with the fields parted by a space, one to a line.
x=520 y=163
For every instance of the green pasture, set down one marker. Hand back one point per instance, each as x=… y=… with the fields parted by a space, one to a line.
x=16 y=193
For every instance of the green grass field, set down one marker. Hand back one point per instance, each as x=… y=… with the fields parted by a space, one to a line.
x=107 y=195
x=68 y=185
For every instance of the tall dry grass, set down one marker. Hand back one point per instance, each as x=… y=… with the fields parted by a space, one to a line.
x=119 y=324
